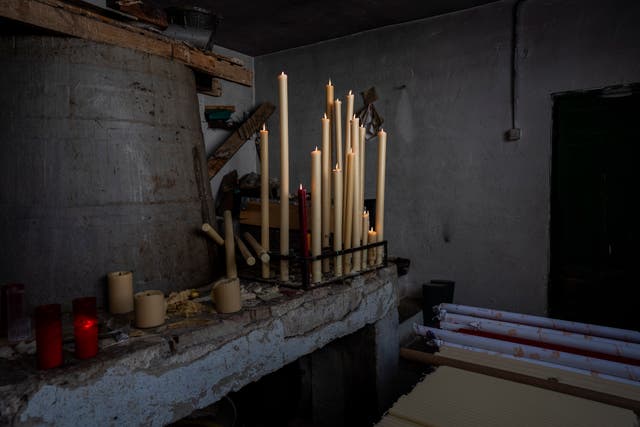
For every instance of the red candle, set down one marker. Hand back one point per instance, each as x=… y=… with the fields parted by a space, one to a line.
x=85 y=327
x=48 y=336
x=302 y=219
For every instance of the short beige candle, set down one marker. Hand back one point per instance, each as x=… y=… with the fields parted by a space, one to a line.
x=120 y=290
x=150 y=309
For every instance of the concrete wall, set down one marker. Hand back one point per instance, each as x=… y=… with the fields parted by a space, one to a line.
x=463 y=204
x=243 y=98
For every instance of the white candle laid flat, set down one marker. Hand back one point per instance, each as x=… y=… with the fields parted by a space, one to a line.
x=316 y=214
x=284 y=175
x=264 y=197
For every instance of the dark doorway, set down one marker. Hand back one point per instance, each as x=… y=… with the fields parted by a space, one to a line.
x=595 y=207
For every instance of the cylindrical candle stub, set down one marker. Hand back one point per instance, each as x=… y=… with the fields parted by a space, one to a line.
x=48 y=321
x=120 y=289
x=150 y=309
x=85 y=327
x=226 y=295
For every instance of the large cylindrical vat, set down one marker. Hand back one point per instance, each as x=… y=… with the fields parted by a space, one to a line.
x=102 y=168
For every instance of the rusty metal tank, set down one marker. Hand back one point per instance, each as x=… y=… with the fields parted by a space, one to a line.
x=102 y=168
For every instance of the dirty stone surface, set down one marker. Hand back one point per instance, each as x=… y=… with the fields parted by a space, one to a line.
x=165 y=374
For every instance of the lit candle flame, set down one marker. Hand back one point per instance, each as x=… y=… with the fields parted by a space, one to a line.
x=324 y=116
x=264 y=127
x=329 y=81
x=366 y=212
x=349 y=92
x=337 y=166
x=371 y=229
x=300 y=186
x=316 y=148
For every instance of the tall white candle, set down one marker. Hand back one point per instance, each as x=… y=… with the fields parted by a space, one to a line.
x=348 y=208
x=382 y=161
x=264 y=196
x=326 y=188
x=337 y=120
x=356 y=230
x=347 y=128
x=365 y=237
x=316 y=226
x=284 y=175
x=372 y=238
x=362 y=133
x=229 y=246
x=337 y=214
x=328 y=111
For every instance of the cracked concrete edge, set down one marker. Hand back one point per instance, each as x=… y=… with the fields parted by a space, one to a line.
x=266 y=347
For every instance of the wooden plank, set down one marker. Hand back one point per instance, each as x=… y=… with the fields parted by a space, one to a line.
x=228 y=148
x=142 y=10
x=78 y=22
x=550 y=382
x=250 y=215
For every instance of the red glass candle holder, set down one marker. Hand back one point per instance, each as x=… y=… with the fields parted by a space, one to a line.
x=48 y=336
x=85 y=327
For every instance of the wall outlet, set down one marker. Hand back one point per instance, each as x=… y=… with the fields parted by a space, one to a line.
x=513 y=134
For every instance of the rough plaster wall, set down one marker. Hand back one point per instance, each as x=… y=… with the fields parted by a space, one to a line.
x=463 y=204
x=243 y=98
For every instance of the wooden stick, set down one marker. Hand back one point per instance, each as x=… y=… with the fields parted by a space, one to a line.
x=262 y=254
x=250 y=260
x=211 y=232
x=546 y=383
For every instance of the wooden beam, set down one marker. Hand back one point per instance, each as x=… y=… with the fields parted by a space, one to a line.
x=552 y=382
x=228 y=148
x=78 y=22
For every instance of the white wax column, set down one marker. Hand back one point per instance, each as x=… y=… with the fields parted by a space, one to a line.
x=365 y=237
x=337 y=127
x=264 y=197
x=356 y=230
x=382 y=161
x=337 y=214
x=326 y=188
x=348 y=208
x=363 y=133
x=372 y=238
x=229 y=246
x=328 y=111
x=349 y=117
x=316 y=226
x=284 y=175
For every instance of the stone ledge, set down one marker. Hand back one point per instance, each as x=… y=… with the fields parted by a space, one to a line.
x=158 y=379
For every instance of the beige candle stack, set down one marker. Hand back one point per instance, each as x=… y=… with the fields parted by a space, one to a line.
x=326 y=181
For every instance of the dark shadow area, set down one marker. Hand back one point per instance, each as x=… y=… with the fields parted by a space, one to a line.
x=595 y=207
